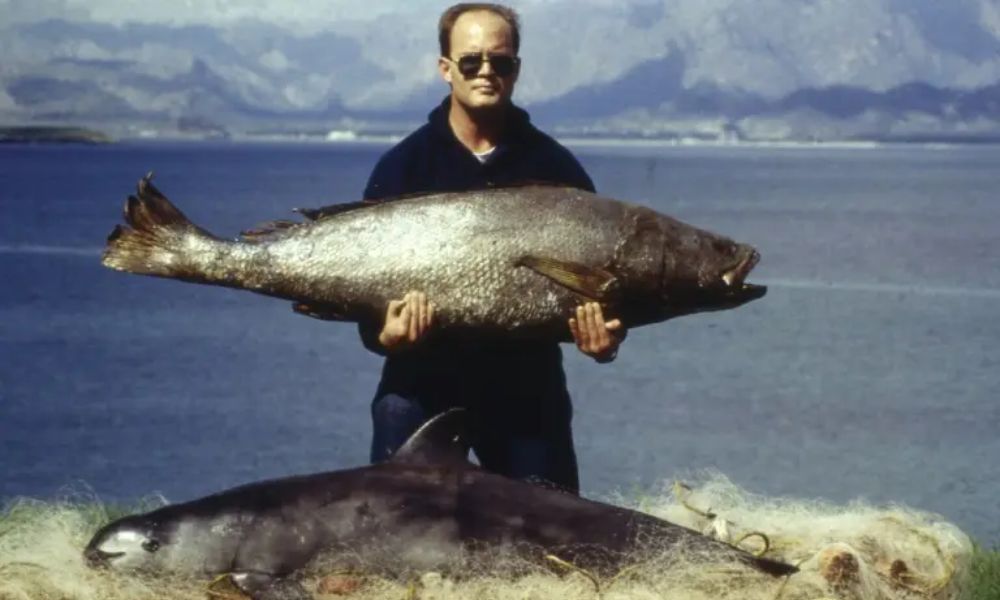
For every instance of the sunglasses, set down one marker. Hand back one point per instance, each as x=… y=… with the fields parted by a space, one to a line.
x=469 y=65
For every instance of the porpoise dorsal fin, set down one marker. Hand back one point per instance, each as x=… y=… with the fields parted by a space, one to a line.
x=440 y=440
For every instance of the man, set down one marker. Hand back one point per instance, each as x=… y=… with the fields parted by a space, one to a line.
x=515 y=391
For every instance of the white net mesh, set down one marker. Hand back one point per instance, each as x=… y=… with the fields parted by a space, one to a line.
x=853 y=551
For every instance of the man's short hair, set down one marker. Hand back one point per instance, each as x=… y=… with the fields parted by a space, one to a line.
x=448 y=18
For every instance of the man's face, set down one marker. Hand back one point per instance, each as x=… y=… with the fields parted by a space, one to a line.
x=473 y=34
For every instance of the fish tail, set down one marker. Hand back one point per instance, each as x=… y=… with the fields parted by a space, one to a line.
x=158 y=240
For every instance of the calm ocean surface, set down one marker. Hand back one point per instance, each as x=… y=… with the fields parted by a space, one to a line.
x=871 y=370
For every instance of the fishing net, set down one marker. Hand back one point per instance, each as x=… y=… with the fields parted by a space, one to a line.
x=857 y=551
x=853 y=551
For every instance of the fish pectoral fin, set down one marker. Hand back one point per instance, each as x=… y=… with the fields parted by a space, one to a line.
x=262 y=586
x=590 y=282
x=323 y=312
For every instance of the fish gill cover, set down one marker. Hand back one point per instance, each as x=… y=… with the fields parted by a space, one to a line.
x=852 y=551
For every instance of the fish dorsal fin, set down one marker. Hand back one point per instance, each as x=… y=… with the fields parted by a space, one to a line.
x=440 y=440
x=265 y=231
x=317 y=214
x=532 y=183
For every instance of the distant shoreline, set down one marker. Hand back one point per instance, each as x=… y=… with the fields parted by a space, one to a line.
x=582 y=142
x=84 y=135
x=52 y=135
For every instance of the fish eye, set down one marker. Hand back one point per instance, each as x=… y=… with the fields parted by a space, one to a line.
x=151 y=545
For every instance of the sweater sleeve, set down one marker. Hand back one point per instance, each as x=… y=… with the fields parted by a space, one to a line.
x=570 y=171
x=388 y=180
x=577 y=176
x=382 y=183
x=557 y=163
x=368 y=331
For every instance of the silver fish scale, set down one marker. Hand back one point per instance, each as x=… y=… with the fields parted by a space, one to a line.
x=515 y=260
x=460 y=249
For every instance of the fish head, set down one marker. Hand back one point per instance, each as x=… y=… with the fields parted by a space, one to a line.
x=131 y=543
x=705 y=272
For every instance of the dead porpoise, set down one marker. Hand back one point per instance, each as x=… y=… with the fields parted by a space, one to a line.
x=427 y=508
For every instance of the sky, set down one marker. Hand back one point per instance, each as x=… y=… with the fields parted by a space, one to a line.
x=303 y=13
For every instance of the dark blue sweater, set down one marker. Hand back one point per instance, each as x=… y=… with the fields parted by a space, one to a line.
x=431 y=159
x=443 y=372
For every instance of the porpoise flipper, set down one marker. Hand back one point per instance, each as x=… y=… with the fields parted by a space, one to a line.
x=261 y=586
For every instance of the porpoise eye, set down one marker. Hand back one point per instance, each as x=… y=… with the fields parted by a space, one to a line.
x=151 y=545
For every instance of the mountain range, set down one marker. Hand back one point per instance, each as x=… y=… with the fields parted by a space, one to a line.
x=709 y=69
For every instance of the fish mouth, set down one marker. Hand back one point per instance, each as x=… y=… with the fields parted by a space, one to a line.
x=715 y=291
x=99 y=559
x=734 y=280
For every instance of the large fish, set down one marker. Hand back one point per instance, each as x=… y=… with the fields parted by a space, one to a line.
x=512 y=260
x=427 y=508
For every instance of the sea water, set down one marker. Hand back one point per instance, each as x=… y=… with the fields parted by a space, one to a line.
x=869 y=371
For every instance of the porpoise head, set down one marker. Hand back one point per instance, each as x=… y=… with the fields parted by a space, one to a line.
x=130 y=543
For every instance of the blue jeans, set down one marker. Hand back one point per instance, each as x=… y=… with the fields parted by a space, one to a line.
x=541 y=453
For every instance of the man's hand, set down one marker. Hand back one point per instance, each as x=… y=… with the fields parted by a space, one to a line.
x=595 y=337
x=406 y=321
